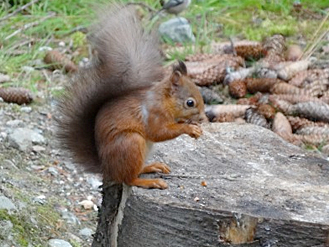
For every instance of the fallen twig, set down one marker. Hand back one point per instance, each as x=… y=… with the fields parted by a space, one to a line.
x=29 y=25
x=309 y=50
x=18 y=10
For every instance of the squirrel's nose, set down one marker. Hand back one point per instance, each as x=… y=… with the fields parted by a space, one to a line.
x=203 y=118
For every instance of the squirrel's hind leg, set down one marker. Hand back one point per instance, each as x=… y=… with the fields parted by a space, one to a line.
x=156 y=167
x=126 y=166
x=149 y=183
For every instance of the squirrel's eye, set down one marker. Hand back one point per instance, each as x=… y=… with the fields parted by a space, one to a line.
x=190 y=102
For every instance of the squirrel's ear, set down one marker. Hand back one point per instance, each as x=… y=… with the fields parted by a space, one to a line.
x=178 y=71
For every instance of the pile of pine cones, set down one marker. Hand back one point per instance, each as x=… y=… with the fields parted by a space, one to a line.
x=278 y=90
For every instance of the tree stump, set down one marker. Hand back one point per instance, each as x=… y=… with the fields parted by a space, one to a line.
x=238 y=185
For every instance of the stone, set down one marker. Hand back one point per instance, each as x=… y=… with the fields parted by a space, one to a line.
x=14 y=123
x=53 y=171
x=38 y=148
x=4 y=78
x=94 y=182
x=24 y=138
x=26 y=109
x=8 y=164
x=5 y=228
x=177 y=30
x=86 y=232
x=58 y=243
x=70 y=217
x=261 y=191
x=6 y=203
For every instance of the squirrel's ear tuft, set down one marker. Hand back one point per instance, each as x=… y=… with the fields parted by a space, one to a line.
x=181 y=67
x=178 y=71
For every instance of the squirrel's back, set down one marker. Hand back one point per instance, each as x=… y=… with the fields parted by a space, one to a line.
x=127 y=58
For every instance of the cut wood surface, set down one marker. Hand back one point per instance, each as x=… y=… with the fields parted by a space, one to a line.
x=238 y=185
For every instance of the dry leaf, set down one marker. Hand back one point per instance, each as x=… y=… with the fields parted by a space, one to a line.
x=204 y=183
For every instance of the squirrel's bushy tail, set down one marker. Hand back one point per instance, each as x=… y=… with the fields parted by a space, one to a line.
x=127 y=58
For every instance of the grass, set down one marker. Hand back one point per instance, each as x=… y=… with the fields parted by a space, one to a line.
x=211 y=20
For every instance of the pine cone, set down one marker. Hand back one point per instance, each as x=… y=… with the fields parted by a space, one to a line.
x=253 y=117
x=294 y=52
x=317 y=87
x=312 y=110
x=293 y=99
x=212 y=70
x=313 y=130
x=16 y=95
x=59 y=61
x=199 y=57
x=249 y=49
x=298 y=123
x=313 y=139
x=280 y=105
x=209 y=96
x=238 y=88
x=302 y=78
x=285 y=88
x=275 y=44
x=281 y=125
x=263 y=85
x=240 y=74
x=243 y=48
x=215 y=111
x=290 y=69
x=222 y=118
x=266 y=110
x=253 y=100
x=274 y=47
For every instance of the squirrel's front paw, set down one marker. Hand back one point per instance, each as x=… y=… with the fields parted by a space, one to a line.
x=195 y=131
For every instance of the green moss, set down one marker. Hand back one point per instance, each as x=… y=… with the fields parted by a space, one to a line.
x=47 y=215
x=21 y=228
x=75 y=243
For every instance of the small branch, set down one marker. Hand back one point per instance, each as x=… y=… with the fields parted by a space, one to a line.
x=82 y=29
x=20 y=44
x=227 y=177
x=308 y=51
x=150 y=9
x=18 y=10
x=232 y=47
x=29 y=25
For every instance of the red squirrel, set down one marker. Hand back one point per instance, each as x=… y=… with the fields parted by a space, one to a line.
x=115 y=109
